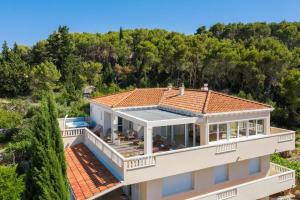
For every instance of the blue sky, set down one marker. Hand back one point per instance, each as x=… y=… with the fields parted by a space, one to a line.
x=26 y=22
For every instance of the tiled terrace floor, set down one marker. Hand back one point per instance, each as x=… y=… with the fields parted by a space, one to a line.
x=87 y=176
x=127 y=149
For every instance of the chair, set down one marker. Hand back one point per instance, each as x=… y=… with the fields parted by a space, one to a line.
x=131 y=135
x=98 y=129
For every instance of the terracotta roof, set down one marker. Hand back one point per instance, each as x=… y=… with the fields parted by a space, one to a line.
x=193 y=100
x=87 y=176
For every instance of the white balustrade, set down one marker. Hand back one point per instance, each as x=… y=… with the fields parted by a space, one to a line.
x=228 y=147
x=140 y=161
x=227 y=194
x=72 y=132
x=284 y=174
x=107 y=150
x=286 y=177
x=286 y=137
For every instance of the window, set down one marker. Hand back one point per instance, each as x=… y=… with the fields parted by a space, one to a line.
x=252 y=127
x=221 y=174
x=213 y=132
x=233 y=130
x=260 y=126
x=197 y=129
x=120 y=124
x=254 y=166
x=243 y=129
x=222 y=131
x=130 y=125
x=177 y=184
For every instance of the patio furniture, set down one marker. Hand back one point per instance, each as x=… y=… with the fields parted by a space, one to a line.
x=155 y=149
x=157 y=141
x=121 y=136
x=131 y=134
x=136 y=142
x=97 y=130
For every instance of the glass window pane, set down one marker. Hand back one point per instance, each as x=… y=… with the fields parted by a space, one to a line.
x=233 y=129
x=252 y=127
x=243 y=129
x=190 y=135
x=260 y=126
x=179 y=137
x=177 y=184
x=197 y=135
x=254 y=165
x=221 y=174
x=222 y=131
x=213 y=132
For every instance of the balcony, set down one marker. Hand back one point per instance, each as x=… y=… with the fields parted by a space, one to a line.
x=137 y=168
x=280 y=179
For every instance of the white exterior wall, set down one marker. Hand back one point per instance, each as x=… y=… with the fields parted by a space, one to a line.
x=203 y=181
x=101 y=115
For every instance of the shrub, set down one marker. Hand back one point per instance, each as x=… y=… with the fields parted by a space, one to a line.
x=9 y=119
x=12 y=185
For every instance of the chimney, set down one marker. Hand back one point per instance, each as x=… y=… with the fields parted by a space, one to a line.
x=181 y=90
x=170 y=87
x=205 y=87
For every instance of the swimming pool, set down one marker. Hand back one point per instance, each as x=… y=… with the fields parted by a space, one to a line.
x=77 y=124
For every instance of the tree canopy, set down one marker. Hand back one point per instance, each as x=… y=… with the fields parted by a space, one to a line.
x=252 y=58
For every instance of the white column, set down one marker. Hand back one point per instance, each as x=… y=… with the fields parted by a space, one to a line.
x=247 y=128
x=186 y=135
x=114 y=126
x=172 y=133
x=228 y=130
x=148 y=140
x=194 y=135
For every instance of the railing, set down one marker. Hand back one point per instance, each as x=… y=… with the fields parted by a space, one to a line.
x=140 y=161
x=131 y=163
x=227 y=147
x=110 y=152
x=285 y=173
x=227 y=194
x=285 y=137
x=72 y=132
x=150 y=160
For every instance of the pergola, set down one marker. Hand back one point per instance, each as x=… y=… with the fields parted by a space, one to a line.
x=149 y=118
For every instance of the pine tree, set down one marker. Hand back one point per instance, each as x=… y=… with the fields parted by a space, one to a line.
x=121 y=35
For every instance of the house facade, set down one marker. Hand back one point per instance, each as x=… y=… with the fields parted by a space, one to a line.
x=176 y=143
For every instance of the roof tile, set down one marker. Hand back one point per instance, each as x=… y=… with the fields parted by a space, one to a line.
x=193 y=100
x=86 y=175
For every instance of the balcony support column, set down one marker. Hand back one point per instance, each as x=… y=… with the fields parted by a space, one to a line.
x=186 y=135
x=148 y=140
x=114 y=127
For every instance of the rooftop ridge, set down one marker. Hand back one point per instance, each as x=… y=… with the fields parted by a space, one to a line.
x=130 y=93
x=209 y=100
x=206 y=102
x=242 y=99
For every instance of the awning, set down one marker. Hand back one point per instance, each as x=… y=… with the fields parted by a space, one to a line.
x=87 y=176
x=155 y=117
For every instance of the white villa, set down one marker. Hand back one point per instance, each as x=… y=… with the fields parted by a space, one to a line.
x=176 y=143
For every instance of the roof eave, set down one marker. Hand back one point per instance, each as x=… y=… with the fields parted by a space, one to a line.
x=238 y=112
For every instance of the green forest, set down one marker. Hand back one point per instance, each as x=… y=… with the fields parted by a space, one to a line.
x=258 y=61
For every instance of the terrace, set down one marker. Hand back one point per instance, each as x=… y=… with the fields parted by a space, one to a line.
x=131 y=162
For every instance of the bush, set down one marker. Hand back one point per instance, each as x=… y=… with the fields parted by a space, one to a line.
x=9 y=119
x=12 y=185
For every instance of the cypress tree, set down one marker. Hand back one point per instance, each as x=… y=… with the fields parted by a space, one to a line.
x=45 y=177
x=55 y=134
